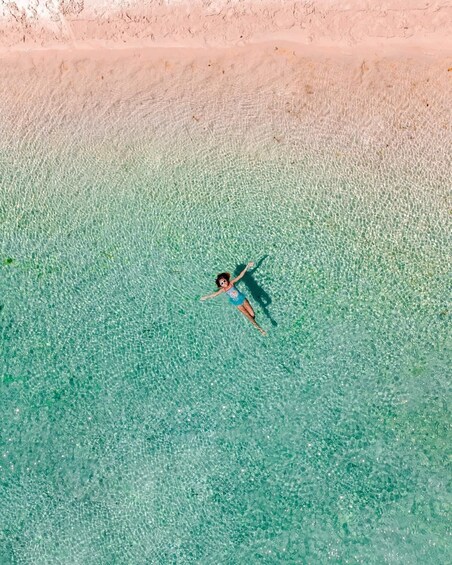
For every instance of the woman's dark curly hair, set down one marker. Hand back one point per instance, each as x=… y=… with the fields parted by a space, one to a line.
x=225 y=276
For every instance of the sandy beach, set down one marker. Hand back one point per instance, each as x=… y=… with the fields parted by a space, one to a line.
x=395 y=24
x=239 y=70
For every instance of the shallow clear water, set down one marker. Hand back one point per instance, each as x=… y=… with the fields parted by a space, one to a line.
x=140 y=425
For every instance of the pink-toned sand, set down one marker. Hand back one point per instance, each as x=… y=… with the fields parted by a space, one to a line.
x=424 y=24
x=330 y=74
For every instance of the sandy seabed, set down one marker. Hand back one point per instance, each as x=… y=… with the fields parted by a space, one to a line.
x=270 y=101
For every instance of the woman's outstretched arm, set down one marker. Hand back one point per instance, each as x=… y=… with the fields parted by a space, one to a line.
x=238 y=277
x=211 y=295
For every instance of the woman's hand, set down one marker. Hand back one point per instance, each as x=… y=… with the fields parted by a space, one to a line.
x=250 y=264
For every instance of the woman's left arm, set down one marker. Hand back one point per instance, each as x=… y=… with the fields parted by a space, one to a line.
x=250 y=264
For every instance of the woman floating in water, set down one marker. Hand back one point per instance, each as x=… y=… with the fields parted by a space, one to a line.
x=235 y=296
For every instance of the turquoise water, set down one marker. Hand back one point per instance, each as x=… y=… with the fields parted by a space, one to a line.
x=140 y=425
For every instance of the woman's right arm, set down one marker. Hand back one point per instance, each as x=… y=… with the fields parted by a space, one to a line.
x=211 y=295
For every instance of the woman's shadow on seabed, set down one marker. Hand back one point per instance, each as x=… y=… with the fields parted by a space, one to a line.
x=257 y=292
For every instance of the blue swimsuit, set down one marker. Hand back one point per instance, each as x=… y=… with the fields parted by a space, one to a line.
x=235 y=296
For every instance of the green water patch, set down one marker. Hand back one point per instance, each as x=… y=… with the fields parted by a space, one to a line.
x=141 y=425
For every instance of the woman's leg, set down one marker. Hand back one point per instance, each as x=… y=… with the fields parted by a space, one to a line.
x=249 y=308
x=244 y=311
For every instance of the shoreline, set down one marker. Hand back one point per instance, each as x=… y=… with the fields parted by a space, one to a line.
x=273 y=92
x=394 y=50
